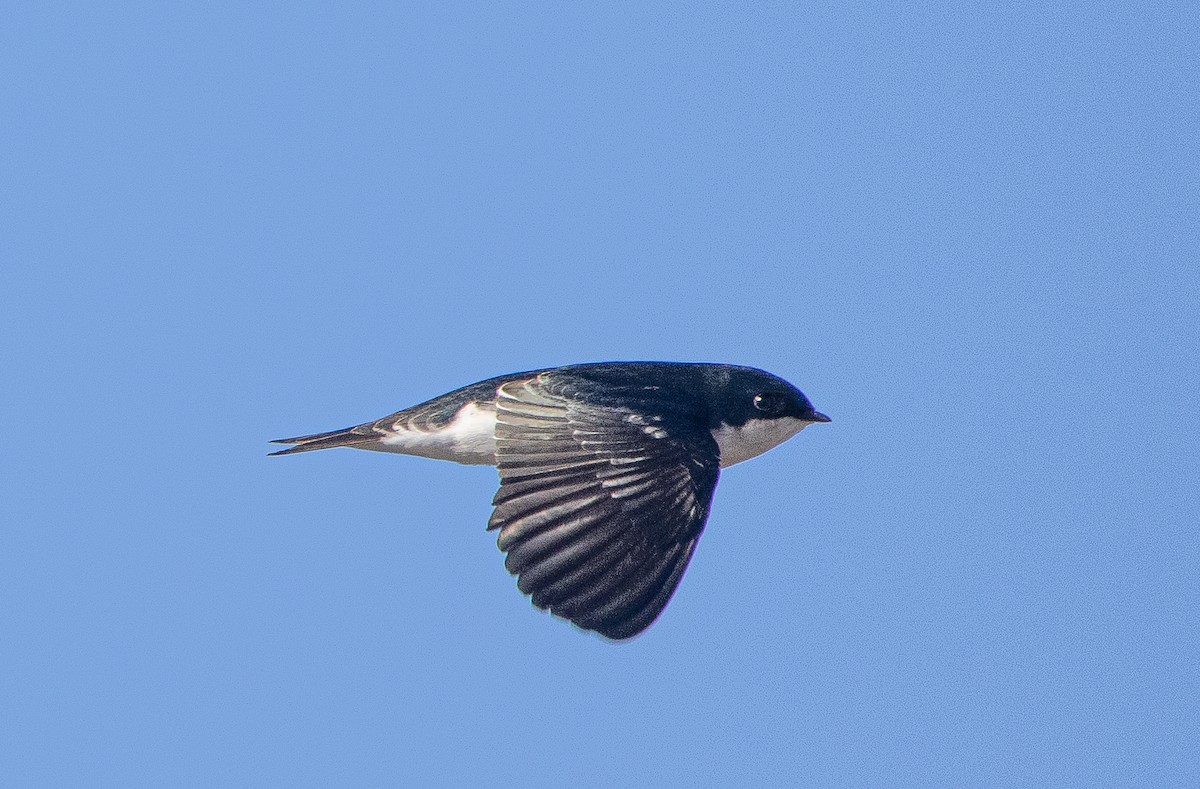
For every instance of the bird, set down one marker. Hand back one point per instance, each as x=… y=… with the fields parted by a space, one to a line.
x=607 y=470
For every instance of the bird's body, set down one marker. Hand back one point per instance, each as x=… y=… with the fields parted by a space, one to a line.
x=606 y=470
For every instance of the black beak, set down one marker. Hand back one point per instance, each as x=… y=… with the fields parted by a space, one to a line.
x=817 y=416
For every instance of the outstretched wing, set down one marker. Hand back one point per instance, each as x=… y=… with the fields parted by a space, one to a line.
x=600 y=505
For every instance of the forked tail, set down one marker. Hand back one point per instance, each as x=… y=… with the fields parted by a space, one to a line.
x=349 y=437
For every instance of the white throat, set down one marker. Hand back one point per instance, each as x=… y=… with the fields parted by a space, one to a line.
x=755 y=437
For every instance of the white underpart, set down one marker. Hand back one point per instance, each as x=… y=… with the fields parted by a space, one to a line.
x=755 y=437
x=469 y=438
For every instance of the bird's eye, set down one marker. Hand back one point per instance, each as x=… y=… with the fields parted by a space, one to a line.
x=770 y=402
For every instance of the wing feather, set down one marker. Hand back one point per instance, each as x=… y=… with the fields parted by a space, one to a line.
x=600 y=505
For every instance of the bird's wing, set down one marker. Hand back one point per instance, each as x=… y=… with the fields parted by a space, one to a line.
x=600 y=505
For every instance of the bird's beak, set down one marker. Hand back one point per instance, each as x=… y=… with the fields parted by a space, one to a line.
x=817 y=416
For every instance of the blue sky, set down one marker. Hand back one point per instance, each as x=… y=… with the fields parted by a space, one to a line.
x=969 y=235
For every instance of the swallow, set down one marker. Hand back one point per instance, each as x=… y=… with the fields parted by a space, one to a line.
x=607 y=470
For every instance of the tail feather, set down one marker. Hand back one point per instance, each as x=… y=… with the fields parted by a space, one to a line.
x=349 y=437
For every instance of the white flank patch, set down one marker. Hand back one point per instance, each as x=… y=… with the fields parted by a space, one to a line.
x=755 y=437
x=469 y=438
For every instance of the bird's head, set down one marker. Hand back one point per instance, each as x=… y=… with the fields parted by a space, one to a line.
x=753 y=411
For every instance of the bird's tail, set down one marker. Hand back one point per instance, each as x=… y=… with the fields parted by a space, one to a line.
x=349 y=437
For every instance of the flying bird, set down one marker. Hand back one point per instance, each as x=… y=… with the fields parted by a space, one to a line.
x=607 y=470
